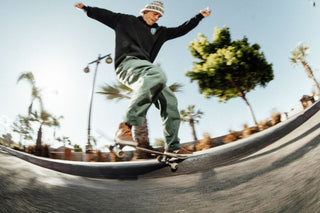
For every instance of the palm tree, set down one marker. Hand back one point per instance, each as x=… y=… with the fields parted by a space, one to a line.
x=56 y=124
x=44 y=119
x=192 y=117
x=141 y=134
x=298 y=55
x=35 y=91
x=94 y=140
x=64 y=140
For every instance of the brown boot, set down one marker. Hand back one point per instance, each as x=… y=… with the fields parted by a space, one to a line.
x=180 y=152
x=124 y=135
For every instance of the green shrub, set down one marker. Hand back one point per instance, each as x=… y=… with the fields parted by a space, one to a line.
x=77 y=148
x=43 y=153
x=247 y=131
x=18 y=148
x=232 y=136
x=276 y=118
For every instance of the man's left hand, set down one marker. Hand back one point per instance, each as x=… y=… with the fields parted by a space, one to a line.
x=206 y=12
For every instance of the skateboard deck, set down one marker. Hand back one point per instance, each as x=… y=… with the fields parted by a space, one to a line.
x=169 y=159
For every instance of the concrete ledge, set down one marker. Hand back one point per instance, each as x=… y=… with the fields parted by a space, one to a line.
x=112 y=170
x=151 y=168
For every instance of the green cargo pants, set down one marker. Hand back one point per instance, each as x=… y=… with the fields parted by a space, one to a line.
x=148 y=83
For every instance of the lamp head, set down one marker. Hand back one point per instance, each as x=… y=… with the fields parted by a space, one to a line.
x=86 y=70
x=109 y=60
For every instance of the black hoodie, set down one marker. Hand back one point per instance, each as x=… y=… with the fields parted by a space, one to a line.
x=134 y=37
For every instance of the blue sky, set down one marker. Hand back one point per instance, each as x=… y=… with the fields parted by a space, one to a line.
x=56 y=41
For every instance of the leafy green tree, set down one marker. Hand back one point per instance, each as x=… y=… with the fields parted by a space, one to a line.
x=191 y=116
x=23 y=127
x=299 y=55
x=6 y=139
x=228 y=69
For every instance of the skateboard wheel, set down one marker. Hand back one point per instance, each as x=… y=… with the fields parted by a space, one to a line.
x=174 y=166
x=159 y=158
x=120 y=153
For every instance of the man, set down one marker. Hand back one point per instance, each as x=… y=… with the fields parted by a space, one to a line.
x=138 y=41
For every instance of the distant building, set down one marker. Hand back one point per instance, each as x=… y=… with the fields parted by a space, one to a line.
x=307 y=100
x=61 y=152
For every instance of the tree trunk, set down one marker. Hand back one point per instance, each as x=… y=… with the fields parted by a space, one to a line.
x=310 y=75
x=38 y=143
x=243 y=96
x=191 y=122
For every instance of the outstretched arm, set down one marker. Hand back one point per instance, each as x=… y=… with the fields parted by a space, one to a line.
x=206 y=12
x=187 y=26
x=104 y=16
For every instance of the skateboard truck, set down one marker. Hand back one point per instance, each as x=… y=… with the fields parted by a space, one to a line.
x=166 y=160
x=119 y=146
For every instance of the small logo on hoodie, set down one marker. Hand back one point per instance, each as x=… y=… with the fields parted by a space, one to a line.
x=153 y=31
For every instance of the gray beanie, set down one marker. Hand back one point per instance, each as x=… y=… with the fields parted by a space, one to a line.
x=156 y=6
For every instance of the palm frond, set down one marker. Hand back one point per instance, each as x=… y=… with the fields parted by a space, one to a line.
x=190 y=113
x=176 y=87
x=299 y=53
x=123 y=88
x=115 y=92
x=28 y=76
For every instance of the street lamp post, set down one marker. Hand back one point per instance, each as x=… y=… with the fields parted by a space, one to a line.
x=87 y=70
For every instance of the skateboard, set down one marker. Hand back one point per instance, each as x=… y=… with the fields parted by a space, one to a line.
x=169 y=159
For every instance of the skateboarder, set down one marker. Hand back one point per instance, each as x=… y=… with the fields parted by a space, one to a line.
x=138 y=42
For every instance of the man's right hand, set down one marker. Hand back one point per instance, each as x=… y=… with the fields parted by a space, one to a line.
x=79 y=5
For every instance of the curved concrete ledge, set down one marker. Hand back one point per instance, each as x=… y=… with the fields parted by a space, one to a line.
x=151 y=168
x=112 y=170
